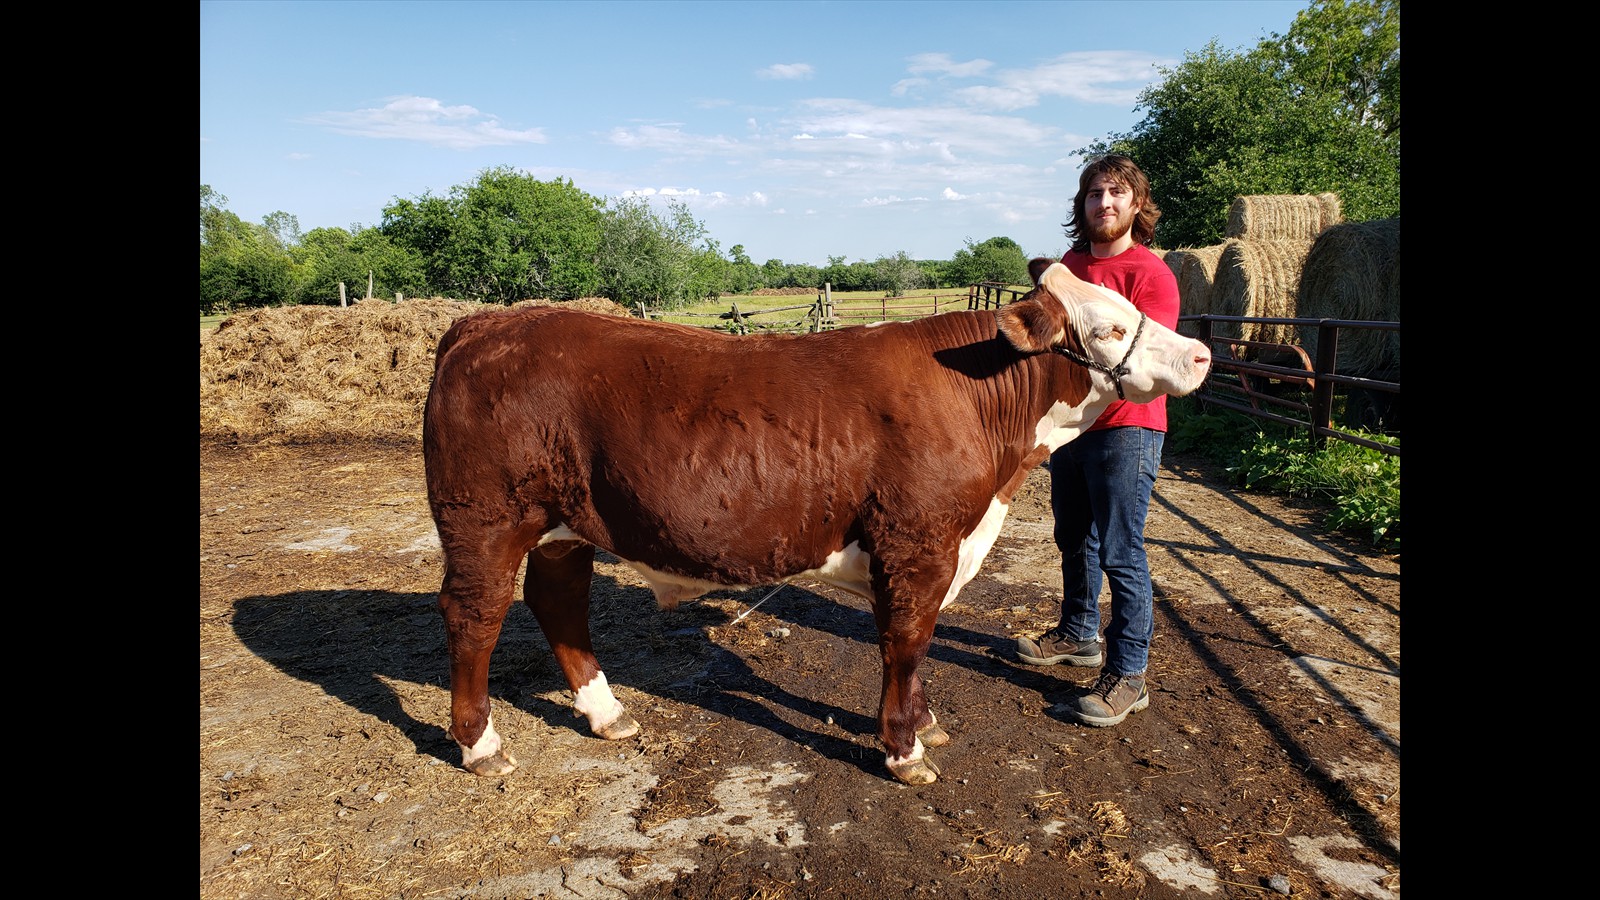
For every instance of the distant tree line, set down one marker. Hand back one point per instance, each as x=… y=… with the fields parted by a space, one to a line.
x=508 y=237
x=1312 y=111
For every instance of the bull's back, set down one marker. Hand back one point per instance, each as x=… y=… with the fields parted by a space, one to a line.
x=683 y=448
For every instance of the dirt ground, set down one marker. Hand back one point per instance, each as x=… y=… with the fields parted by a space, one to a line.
x=1268 y=762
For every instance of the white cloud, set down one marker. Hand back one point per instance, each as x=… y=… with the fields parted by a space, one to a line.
x=299 y=156
x=427 y=121
x=1095 y=76
x=671 y=139
x=952 y=195
x=942 y=64
x=786 y=72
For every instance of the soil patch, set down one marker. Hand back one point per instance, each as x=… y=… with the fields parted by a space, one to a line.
x=1267 y=763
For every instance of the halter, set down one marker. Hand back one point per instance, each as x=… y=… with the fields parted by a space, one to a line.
x=1115 y=373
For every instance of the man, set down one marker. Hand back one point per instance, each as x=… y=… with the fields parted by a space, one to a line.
x=1100 y=483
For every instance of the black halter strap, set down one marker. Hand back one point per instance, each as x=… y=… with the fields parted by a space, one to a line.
x=1121 y=368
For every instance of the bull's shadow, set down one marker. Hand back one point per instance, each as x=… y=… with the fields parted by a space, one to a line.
x=354 y=644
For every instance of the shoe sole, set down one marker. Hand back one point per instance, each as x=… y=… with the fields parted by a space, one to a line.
x=1069 y=659
x=1104 y=722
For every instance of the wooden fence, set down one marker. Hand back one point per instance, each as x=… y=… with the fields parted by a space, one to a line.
x=826 y=313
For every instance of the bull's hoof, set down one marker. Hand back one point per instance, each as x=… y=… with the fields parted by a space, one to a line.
x=617 y=729
x=934 y=736
x=916 y=771
x=496 y=763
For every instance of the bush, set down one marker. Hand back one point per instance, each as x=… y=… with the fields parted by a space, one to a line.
x=1362 y=485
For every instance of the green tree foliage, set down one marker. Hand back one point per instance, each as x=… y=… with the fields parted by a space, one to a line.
x=506 y=237
x=899 y=273
x=1313 y=111
x=328 y=257
x=998 y=259
x=241 y=265
x=659 y=260
x=744 y=276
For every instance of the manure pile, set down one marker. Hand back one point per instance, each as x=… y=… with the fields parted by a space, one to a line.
x=307 y=373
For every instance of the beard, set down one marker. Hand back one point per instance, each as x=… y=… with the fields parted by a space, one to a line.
x=1103 y=232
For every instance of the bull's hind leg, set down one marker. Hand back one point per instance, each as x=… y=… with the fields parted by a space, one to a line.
x=474 y=599
x=557 y=590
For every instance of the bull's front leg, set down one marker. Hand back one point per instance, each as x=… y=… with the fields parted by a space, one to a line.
x=906 y=725
x=557 y=590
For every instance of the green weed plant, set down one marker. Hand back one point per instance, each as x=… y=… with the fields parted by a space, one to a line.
x=1360 y=484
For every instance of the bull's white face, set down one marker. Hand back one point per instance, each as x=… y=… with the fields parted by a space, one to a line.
x=1163 y=362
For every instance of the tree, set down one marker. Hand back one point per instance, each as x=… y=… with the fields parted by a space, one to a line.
x=504 y=238
x=998 y=259
x=327 y=257
x=1311 y=112
x=899 y=273
x=744 y=275
x=666 y=261
x=241 y=265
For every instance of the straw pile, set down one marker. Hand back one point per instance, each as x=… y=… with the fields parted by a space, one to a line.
x=1259 y=279
x=1283 y=217
x=300 y=373
x=1353 y=272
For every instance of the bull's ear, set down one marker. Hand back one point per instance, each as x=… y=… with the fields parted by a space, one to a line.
x=1036 y=267
x=1031 y=326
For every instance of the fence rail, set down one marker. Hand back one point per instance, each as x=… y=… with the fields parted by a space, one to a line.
x=826 y=312
x=1267 y=380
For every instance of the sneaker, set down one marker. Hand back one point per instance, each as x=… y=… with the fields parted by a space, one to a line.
x=1054 y=647
x=1110 y=700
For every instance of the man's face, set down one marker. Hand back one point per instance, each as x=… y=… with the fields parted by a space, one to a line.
x=1110 y=210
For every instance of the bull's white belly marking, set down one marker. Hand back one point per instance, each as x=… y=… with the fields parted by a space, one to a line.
x=975 y=547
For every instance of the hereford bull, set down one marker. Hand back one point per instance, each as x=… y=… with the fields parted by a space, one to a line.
x=880 y=459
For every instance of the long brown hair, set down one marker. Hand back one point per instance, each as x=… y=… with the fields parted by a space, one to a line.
x=1127 y=173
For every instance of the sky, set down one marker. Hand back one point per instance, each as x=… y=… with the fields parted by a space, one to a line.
x=798 y=130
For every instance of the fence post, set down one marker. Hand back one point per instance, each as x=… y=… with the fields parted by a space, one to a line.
x=1203 y=335
x=1322 y=394
x=341 y=295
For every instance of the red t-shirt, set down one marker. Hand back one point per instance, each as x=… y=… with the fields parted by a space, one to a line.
x=1149 y=284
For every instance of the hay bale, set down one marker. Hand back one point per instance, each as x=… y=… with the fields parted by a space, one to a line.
x=1197 y=268
x=1260 y=279
x=1353 y=272
x=1282 y=217
x=322 y=372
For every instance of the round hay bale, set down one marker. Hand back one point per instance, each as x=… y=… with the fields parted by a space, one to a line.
x=322 y=372
x=1282 y=217
x=1259 y=279
x=1196 y=271
x=1353 y=272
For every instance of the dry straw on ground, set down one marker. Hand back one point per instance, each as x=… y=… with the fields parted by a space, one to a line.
x=1353 y=272
x=299 y=373
x=1282 y=217
x=1259 y=279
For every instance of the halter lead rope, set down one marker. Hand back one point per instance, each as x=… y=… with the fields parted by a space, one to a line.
x=1121 y=367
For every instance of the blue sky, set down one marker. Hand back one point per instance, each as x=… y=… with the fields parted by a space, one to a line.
x=800 y=130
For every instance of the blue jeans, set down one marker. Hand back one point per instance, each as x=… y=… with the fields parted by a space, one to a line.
x=1100 y=486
